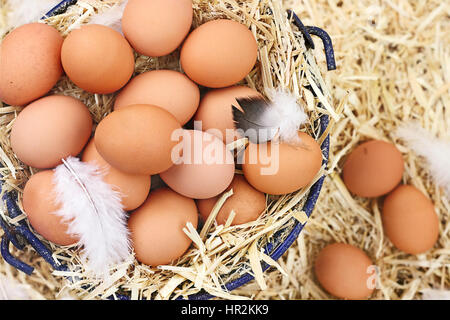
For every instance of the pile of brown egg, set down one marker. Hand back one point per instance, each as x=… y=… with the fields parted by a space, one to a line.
x=135 y=142
x=375 y=169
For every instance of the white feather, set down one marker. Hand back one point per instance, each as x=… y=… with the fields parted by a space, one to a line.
x=26 y=11
x=111 y=17
x=288 y=115
x=435 y=151
x=434 y=294
x=94 y=213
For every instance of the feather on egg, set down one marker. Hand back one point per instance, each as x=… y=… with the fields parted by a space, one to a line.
x=265 y=120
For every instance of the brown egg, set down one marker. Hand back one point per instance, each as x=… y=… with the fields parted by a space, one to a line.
x=156 y=28
x=247 y=203
x=344 y=271
x=205 y=169
x=409 y=220
x=157 y=227
x=171 y=90
x=50 y=129
x=30 y=63
x=138 y=139
x=133 y=188
x=373 y=169
x=280 y=168
x=216 y=112
x=219 y=53
x=97 y=59
x=39 y=203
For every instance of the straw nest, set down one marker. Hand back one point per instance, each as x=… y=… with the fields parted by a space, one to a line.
x=392 y=66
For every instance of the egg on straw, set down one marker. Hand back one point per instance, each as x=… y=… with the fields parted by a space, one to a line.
x=94 y=214
x=434 y=150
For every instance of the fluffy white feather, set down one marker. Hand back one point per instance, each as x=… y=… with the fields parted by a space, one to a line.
x=290 y=115
x=27 y=11
x=110 y=17
x=435 y=151
x=94 y=213
x=434 y=294
x=277 y=118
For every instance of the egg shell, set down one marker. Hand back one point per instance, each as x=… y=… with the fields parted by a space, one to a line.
x=216 y=112
x=247 y=203
x=373 y=169
x=219 y=53
x=50 y=129
x=409 y=220
x=30 y=63
x=156 y=28
x=168 y=89
x=39 y=203
x=157 y=227
x=97 y=59
x=281 y=168
x=137 y=139
x=206 y=168
x=344 y=271
x=133 y=188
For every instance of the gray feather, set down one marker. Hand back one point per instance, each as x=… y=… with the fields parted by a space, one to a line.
x=255 y=122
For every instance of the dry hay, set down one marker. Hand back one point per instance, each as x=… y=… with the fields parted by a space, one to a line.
x=392 y=59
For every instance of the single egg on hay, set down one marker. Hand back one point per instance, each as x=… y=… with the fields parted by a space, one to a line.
x=133 y=188
x=216 y=110
x=168 y=89
x=156 y=28
x=30 y=63
x=138 y=139
x=345 y=271
x=88 y=61
x=409 y=220
x=205 y=169
x=51 y=129
x=246 y=202
x=219 y=53
x=39 y=203
x=157 y=227
x=373 y=169
x=280 y=168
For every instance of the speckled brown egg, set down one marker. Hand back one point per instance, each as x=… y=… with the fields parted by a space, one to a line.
x=97 y=58
x=373 y=169
x=409 y=220
x=157 y=27
x=247 y=203
x=138 y=139
x=219 y=53
x=281 y=168
x=51 y=129
x=216 y=112
x=344 y=271
x=168 y=89
x=39 y=204
x=157 y=227
x=30 y=63
x=133 y=188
